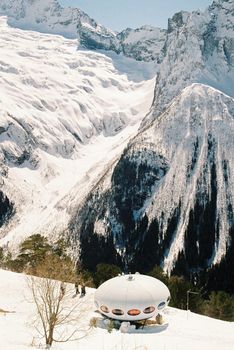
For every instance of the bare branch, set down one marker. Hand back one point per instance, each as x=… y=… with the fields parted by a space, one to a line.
x=56 y=309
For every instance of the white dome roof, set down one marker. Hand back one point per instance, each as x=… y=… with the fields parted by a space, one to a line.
x=131 y=297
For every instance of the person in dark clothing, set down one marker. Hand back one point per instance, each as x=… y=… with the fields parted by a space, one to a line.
x=83 y=291
x=62 y=289
x=77 y=288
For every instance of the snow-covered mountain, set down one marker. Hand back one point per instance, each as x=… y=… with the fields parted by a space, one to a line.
x=47 y=16
x=86 y=152
x=206 y=32
x=199 y=48
x=65 y=114
x=169 y=200
x=172 y=189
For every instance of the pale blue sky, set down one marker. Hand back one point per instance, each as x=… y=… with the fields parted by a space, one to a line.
x=120 y=14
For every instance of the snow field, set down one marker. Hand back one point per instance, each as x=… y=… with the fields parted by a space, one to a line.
x=185 y=330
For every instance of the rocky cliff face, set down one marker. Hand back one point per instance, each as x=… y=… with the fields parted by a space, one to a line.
x=143 y=44
x=199 y=48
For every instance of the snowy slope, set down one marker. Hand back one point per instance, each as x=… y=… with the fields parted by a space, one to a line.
x=197 y=129
x=184 y=331
x=65 y=114
x=172 y=189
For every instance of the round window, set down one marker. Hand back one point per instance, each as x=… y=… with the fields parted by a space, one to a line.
x=149 y=310
x=161 y=305
x=104 y=309
x=134 y=312
x=118 y=312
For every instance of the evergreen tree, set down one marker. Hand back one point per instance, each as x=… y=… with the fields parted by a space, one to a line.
x=220 y=305
x=105 y=272
x=179 y=288
x=33 y=250
x=158 y=273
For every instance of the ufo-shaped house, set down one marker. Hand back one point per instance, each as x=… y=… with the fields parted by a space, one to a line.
x=131 y=297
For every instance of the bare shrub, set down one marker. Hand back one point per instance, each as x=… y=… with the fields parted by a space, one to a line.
x=57 y=309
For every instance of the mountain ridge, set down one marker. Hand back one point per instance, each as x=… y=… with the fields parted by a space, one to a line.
x=146 y=43
x=49 y=16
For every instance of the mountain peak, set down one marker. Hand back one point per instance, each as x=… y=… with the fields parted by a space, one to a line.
x=178 y=20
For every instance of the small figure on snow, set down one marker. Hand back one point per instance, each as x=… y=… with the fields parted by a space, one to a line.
x=77 y=288
x=83 y=290
x=62 y=289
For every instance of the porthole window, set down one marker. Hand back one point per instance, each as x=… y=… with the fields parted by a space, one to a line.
x=134 y=312
x=149 y=310
x=161 y=305
x=104 y=309
x=118 y=312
